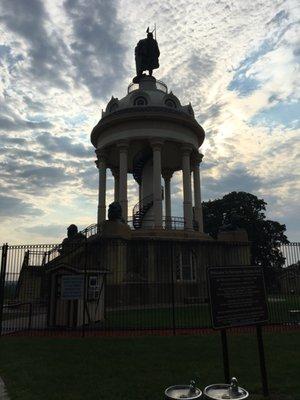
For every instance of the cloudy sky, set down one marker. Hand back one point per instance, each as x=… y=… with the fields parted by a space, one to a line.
x=61 y=61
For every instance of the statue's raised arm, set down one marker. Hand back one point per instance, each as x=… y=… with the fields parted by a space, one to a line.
x=146 y=56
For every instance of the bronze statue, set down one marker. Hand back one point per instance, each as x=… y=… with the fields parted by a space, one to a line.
x=74 y=237
x=146 y=56
x=115 y=212
x=231 y=222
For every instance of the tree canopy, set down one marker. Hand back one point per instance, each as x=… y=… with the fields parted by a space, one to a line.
x=265 y=236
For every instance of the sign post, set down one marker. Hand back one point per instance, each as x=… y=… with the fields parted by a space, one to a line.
x=225 y=356
x=262 y=361
x=238 y=298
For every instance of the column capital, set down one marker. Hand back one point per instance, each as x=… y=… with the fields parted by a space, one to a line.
x=196 y=160
x=101 y=156
x=100 y=153
x=156 y=143
x=123 y=145
x=186 y=149
x=167 y=174
x=115 y=172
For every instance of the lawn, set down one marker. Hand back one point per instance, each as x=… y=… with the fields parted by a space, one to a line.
x=141 y=368
x=185 y=316
x=192 y=316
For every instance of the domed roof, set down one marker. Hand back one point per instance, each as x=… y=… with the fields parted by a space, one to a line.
x=148 y=93
x=147 y=110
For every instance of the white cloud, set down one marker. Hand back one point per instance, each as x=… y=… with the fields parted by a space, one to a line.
x=64 y=72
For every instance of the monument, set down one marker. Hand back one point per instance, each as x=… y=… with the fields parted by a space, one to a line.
x=150 y=134
x=144 y=255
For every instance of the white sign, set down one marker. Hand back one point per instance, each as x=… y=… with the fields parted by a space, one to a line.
x=72 y=287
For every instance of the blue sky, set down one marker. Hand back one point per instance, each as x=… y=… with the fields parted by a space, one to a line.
x=237 y=62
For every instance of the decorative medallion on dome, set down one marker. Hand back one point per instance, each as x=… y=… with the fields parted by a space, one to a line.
x=170 y=103
x=113 y=107
x=140 y=101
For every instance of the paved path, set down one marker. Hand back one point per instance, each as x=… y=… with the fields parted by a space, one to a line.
x=22 y=324
x=3 y=393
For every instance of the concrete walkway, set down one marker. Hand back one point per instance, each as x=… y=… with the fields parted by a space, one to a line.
x=3 y=393
x=38 y=321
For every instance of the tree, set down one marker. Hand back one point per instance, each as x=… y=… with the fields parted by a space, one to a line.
x=265 y=236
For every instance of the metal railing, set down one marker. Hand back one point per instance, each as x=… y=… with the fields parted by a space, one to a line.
x=91 y=230
x=171 y=223
x=151 y=285
x=159 y=86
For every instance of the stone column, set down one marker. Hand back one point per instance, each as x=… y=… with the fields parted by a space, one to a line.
x=197 y=192
x=167 y=175
x=157 y=194
x=123 y=155
x=101 y=164
x=140 y=193
x=116 y=176
x=187 y=187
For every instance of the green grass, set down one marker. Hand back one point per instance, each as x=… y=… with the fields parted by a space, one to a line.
x=141 y=368
x=185 y=317
x=279 y=307
x=190 y=316
x=197 y=315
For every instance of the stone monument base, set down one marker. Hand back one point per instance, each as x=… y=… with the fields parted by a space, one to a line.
x=115 y=230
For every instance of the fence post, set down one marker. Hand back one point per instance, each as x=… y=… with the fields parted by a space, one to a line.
x=84 y=288
x=2 y=281
x=173 y=292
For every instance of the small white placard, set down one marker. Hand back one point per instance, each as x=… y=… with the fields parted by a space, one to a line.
x=72 y=287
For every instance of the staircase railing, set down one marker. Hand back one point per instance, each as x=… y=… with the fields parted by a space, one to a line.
x=140 y=209
x=140 y=204
x=139 y=161
x=91 y=230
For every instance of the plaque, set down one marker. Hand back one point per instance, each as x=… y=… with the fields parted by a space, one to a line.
x=237 y=296
x=72 y=287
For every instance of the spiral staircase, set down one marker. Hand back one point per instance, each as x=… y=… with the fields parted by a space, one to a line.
x=140 y=210
x=143 y=206
x=139 y=162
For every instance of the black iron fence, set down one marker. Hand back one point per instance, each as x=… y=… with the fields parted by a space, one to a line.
x=107 y=286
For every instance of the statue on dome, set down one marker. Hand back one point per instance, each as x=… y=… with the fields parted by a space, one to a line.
x=146 y=56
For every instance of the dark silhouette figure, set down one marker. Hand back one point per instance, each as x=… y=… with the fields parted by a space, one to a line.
x=73 y=238
x=115 y=212
x=231 y=222
x=146 y=56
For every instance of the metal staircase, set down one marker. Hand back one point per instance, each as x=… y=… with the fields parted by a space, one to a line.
x=139 y=162
x=140 y=210
x=143 y=206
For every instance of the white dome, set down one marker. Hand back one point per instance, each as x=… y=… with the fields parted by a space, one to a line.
x=148 y=93
x=147 y=112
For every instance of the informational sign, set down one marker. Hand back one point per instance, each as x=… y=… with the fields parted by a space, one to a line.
x=237 y=296
x=72 y=287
